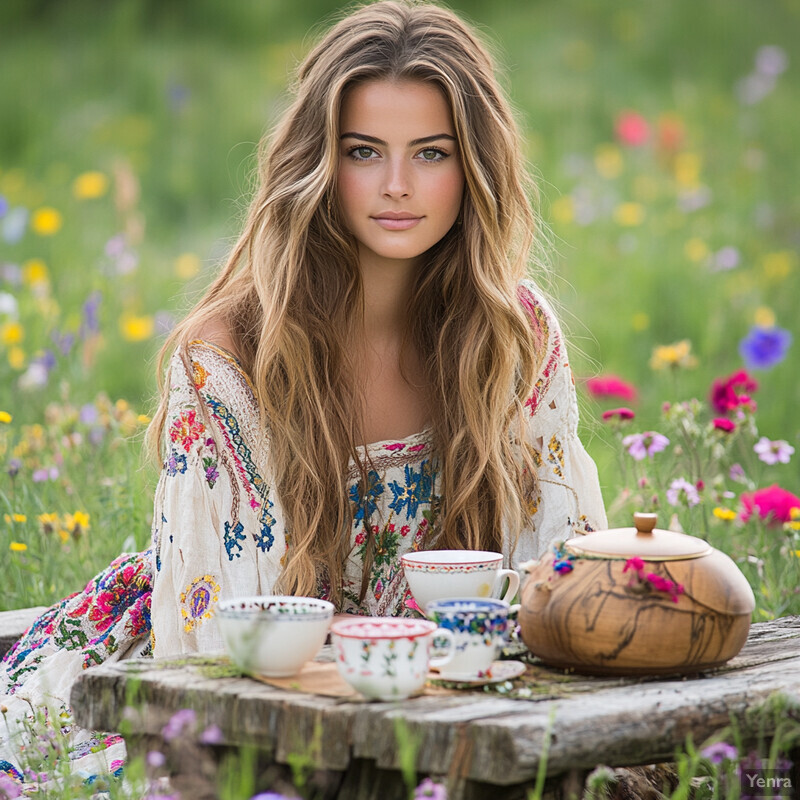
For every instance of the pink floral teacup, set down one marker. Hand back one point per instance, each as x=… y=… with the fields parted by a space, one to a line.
x=387 y=658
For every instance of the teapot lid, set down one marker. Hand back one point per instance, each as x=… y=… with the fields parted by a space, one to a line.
x=644 y=541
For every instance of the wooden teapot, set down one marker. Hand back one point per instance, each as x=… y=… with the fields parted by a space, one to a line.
x=635 y=601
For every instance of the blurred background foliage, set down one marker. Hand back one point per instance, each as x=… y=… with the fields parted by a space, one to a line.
x=663 y=137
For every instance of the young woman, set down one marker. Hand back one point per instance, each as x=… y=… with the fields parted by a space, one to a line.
x=370 y=373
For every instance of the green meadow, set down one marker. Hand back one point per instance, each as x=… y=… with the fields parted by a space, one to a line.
x=663 y=141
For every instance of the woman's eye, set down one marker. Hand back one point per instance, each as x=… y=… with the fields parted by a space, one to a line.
x=362 y=153
x=433 y=154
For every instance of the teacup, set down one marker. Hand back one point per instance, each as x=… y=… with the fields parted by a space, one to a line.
x=440 y=574
x=387 y=658
x=479 y=627
x=273 y=635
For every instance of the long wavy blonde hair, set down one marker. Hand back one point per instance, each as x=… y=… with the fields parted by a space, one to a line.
x=291 y=298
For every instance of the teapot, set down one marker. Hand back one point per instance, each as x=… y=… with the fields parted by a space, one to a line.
x=635 y=601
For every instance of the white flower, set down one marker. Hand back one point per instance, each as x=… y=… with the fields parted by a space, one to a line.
x=8 y=304
x=682 y=493
x=779 y=451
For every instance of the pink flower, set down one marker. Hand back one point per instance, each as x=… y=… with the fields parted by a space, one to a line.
x=632 y=129
x=681 y=492
x=611 y=386
x=636 y=564
x=665 y=585
x=728 y=394
x=645 y=445
x=723 y=424
x=618 y=413
x=777 y=452
x=773 y=504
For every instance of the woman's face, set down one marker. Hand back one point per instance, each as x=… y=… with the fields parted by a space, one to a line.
x=400 y=178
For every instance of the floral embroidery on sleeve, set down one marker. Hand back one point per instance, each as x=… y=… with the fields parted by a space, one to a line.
x=186 y=429
x=198 y=601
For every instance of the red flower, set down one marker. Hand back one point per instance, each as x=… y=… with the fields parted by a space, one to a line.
x=635 y=563
x=728 y=394
x=723 y=424
x=611 y=386
x=632 y=129
x=622 y=413
x=670 y=133
x=773 y=504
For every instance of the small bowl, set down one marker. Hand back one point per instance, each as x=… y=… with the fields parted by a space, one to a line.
x=273 y=635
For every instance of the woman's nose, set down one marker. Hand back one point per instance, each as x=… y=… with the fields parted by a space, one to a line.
x=397 y=180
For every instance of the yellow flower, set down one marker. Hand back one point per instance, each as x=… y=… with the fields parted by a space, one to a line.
x=136 y=329
x=687 y=169
x=34 y=271
x=17 y=547
x=143 y=419
x=779 y=265
x=608 y=160
x=46 y=221
x=49 y=522
x=764 y=317
x=724 y=514
x=81 y=518
x=640 y=321
x=564 y=209
x=5 y=417
x=677 y=355
x=629 y=214
x=89 y=185
x=11 y=333
x=696 y=249
x=16 y=358
x=15 y=518
x=187 y=266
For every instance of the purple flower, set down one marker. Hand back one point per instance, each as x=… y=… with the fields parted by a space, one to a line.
x=91 y=323
x=156 y=759
x=436 y=791
x=63 y=341
x=45 y=474
x=681 y=492
x=719 y=752
x=211 y=735
x=771 y=60
x=270 y=796
x=645 y=445
x=9 y=788
x=88 y=414
x=13 y=468
x=726 y=258
x=3 y=206
x=763 y=348
x=779 y=451
x=178 y=723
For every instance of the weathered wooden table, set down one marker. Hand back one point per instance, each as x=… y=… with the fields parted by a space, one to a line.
x=487 y=744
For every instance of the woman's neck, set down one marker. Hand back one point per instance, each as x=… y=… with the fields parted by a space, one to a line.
x=387 y=293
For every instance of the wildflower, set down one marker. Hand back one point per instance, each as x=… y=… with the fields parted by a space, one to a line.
x=211 y=735
x=49 y=522
x=17 y=547
x=46 y=221
x=645 y=445
x=632 y=129
x=429 y=789
x=45 y=474
x=777 y=452
x=611 y=386
x=9 y=788
x=763 y=348
x=726 y=258
x=636 y=564
x=771 y=60
x=720 y=751
x=178 y=723
x=89 y=185
x=618 y=413
x=661 y=584
x=608 y=160
x=696 y=249
x=726 y=395
x=269 y=796
x=629 y=214
x=681 y=492
x=156 y=759
x=725 y=514
x=670 y=132
x=677 y=355
x=11 y=333
x=8 y=304
x=687 y=170
x=136 y=329
x=723 y=424
x=187 y=266
x=14 y=224
x=16 y=358
x=5 y=417
x=13 y=468
x=773 y=504
x=91 y=322
x=35 y=377
x=76 y=524
x=15 y=518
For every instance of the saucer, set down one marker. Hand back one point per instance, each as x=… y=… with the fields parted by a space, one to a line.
x=501 y=671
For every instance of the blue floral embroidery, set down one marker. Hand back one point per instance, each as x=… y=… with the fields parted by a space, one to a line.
x=366 y=506
x=417 y=490
x=264 y=540
x=233 y=538
x=175 y=463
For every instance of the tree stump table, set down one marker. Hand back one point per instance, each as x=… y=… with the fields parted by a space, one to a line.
x=486 y=744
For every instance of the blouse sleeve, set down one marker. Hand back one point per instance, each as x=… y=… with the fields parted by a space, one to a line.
x=217 y=531
x=567 y=499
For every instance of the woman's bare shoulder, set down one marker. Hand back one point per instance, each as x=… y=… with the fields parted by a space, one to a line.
x=217 y=333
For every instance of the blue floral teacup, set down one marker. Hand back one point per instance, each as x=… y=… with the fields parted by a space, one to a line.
x=479 y=628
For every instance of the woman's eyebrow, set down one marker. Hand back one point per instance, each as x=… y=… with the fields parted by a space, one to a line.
x=374 y=139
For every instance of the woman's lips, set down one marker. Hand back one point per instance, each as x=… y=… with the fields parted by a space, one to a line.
x=395 y=224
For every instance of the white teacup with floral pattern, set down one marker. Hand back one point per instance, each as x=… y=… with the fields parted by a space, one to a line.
x=387 y=658
x=440 y=574
x=479 y=627
x=273 y=635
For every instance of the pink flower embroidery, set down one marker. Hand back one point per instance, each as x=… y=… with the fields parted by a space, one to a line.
x=395 y=446
x=186 y=430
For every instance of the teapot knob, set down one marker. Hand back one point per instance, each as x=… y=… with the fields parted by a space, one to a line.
x=645 y=523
